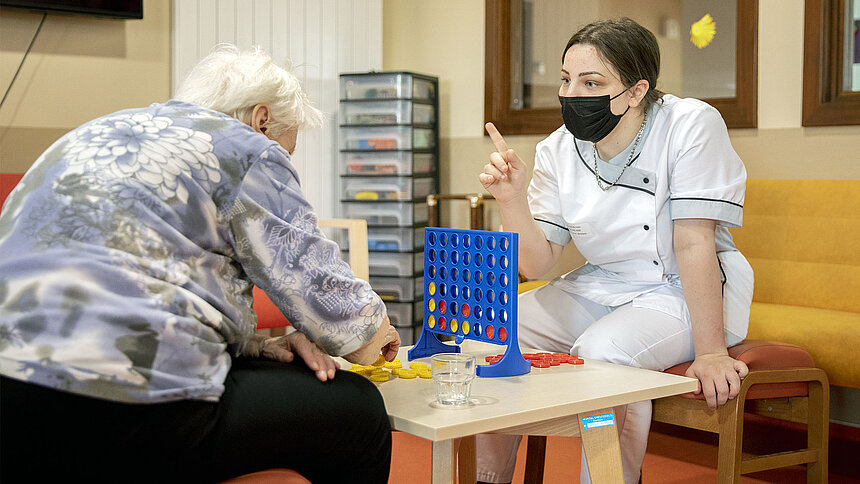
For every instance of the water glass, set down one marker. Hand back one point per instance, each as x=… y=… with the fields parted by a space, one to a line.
x=452 y=378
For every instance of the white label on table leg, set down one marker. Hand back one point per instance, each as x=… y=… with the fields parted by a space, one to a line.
x=595 y=421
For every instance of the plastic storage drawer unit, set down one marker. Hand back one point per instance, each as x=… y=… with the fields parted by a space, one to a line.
x=386 y=163
x=393 y=85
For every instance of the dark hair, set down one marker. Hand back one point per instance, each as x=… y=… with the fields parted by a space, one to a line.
x=629 y=47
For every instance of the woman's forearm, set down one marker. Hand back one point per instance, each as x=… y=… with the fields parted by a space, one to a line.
x=700 y=278
x=536 y=255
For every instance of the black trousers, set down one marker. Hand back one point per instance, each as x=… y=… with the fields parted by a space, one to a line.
x=271 y=415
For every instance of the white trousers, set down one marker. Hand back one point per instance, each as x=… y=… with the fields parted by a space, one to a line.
x=551 y=319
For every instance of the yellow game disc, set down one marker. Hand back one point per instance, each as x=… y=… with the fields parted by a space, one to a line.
x=407 y=374
x=379 y=376
x=454 y=325
x=432 y=288
x=379 y=361
x=465 y=327
x=417 y=365
x=393 y=364
x=431 y=321
x=425 y=373
x=431 y=304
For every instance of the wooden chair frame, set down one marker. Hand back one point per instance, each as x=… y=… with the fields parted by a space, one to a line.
x=812 y=409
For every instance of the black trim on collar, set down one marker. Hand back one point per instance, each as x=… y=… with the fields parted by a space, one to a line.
x=551 y=223
x=708 y=200
x=632 y=187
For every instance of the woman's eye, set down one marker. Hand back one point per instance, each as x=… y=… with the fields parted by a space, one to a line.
x=590 y=83
x=565 y=81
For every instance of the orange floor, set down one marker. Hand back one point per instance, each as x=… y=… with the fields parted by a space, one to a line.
x=674 y=456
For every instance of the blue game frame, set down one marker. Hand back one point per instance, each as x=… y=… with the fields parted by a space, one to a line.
x=470 y=292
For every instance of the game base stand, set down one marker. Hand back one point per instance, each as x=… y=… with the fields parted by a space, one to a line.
x=470 y=292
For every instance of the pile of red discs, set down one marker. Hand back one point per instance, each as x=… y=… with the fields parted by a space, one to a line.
x=543 y=360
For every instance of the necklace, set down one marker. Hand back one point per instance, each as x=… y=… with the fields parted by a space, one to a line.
x=629 y=158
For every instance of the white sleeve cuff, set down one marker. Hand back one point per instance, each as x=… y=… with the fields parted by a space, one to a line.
x=727 y=213
x=554 y=233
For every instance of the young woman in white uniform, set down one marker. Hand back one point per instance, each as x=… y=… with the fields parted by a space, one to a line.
x=646 y=185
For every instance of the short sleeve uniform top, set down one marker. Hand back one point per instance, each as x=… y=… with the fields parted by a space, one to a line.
x=684 y=167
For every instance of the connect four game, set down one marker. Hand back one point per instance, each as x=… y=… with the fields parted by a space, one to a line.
x=470 y=292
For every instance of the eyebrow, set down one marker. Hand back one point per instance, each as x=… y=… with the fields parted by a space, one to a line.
x=583 y=74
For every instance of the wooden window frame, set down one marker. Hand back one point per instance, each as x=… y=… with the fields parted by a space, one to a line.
x=824 y=101
x=740 y=111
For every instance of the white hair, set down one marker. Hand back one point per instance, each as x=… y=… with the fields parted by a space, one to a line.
x=233 y=82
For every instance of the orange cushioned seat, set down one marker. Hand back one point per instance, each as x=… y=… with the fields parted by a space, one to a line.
x=270 y=476
x=764 y=355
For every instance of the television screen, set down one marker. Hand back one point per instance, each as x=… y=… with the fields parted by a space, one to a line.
x=101 y=8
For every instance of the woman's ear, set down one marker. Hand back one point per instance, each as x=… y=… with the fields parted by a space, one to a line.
x=260 y=118
x=638 y=92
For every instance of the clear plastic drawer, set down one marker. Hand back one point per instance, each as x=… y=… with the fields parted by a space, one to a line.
x=399 y=213
x=408 y=336
x=386 y=86
x=387 y=163
x=405 y=315
x=387 y=138
x=398 y=288
x=386 y=112
x=394 y=239
x=396 y=264
x=386 y=188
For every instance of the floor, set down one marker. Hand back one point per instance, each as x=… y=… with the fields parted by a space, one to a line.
x=675 y=456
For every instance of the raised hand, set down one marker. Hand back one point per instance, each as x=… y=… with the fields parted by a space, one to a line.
x=505 y=176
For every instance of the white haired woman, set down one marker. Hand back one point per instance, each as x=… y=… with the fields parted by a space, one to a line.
x=127 y=337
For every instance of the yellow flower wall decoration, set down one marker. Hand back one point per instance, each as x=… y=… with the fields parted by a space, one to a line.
x=702 y=32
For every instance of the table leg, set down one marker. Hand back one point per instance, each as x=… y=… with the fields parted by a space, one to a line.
x=466 y=465
x=600 y=441
x=443 y=456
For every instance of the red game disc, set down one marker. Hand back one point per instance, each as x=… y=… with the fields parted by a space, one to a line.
x=540 y=364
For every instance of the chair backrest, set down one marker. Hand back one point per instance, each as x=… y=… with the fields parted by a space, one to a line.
x=269 y=316
x=7 y=183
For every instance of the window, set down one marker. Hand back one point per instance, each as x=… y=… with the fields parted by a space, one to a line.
x=516 y=45
x=831 y=63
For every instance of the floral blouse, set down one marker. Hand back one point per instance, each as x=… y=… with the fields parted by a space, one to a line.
x=129 y=250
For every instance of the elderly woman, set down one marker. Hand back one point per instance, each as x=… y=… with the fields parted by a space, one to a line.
x=127 y=336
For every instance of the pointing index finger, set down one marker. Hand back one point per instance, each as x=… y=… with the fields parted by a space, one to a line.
x=498 y=141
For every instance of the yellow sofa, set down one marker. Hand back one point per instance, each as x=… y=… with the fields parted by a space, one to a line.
x=802 y=238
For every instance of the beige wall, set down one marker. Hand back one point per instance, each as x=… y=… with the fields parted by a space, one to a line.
x=78 y=69
x=446 y=38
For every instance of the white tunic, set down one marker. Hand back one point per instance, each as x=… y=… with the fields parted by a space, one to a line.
x=684 y=167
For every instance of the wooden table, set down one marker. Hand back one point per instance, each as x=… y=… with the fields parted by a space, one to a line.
x=563 y=400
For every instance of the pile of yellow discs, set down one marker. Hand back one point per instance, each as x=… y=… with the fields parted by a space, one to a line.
x=382 y=370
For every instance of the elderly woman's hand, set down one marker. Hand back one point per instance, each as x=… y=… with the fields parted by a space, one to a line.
x=386 y=340
x=285 y=348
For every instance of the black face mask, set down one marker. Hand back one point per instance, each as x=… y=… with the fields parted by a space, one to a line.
x=589 y=117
